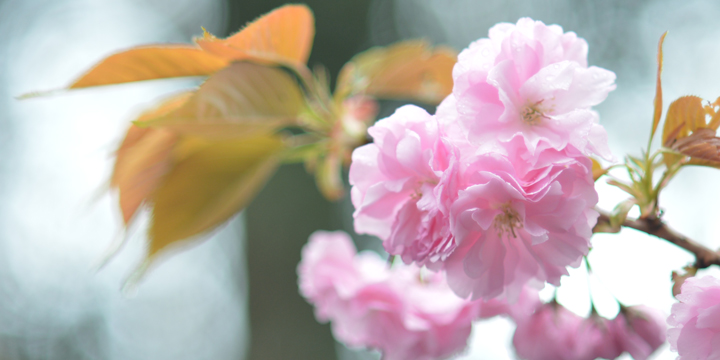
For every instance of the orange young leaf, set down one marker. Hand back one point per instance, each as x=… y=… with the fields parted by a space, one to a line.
x=242 y=100
x=142 y=159
x=684 y=115
x=714 y=114
x=282 y=36
x=410 y=70
x=209 y=186
x=150 y=62
x=657 y=113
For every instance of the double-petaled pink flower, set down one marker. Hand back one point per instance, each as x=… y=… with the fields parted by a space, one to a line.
x=404 y=312
x=532 y=81
x=516 y=228
x=403 y=186
x=695 y=320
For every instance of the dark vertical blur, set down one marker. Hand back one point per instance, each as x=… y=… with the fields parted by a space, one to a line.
x=290 y=208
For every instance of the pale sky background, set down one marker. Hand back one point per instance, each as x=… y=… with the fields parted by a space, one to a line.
x=56 y=221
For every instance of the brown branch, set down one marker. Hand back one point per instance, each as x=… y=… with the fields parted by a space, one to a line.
x=704 y=257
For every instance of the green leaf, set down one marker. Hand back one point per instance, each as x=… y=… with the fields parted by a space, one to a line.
x=209 y=185
x=626 y=188
x=244 y=99
x=620 y=213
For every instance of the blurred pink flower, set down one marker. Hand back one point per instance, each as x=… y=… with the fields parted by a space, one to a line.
x=404 y=312
x=639 y=330
x=555 y=333
x=531 y=80
x=516 y=229
x=402 y=186
x=695 y=320
x=519 y=311
x=600 y=339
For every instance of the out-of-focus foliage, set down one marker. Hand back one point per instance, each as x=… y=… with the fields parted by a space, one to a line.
x=283 y=36
x=208 y=184
x=198 y=158
x=150 y=63
x=143 y=158
x=407 y=70
x=241 y=100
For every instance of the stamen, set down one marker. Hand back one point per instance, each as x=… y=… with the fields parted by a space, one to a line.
x=507 y=221
x=532 y=114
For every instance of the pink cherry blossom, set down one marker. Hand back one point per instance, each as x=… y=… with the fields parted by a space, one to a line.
x=402 y=185
x=515 y=229
x=639 y=330
x=600 y=338
x=695 y=320
x=531 y=80
x=524 y=307
x=555 y=333
x=404 y=312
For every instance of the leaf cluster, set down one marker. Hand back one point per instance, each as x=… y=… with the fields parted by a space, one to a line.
x=688 y=138
x=199 y=157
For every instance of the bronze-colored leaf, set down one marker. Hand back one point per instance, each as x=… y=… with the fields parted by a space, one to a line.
x=149 y=63
x=209 y=186
x=410 y=70
x=706 y=163
x=657 y=103
x=684 y=115
x=242 y=100
x=143 y=158
x=701 y=144
x=282 y=36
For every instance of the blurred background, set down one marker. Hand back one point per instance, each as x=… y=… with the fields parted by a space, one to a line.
x=235 y=296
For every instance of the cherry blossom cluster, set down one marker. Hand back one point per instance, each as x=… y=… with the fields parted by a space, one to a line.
x=485 y=202
x=406 y=312
x=409 y=312
x=495 y=188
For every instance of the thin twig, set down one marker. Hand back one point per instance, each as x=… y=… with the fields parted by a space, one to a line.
x=704 y=257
